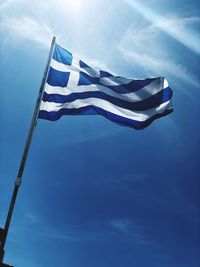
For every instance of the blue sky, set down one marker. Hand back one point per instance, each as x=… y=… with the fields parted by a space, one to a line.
x=96 y=194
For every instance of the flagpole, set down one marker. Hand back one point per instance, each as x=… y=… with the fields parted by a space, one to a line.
x=18 y=180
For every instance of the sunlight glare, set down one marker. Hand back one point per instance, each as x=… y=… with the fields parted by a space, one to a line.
x=74 y=7
x=176 y=27
x=75 y=4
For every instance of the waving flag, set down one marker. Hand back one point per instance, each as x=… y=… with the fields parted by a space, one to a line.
x=74 y=88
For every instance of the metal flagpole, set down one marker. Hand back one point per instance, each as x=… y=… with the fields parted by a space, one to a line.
x=18 y=181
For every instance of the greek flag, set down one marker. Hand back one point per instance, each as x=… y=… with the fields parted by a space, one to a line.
x=74 y=88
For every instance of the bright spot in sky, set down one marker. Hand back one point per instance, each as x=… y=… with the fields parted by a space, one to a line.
x=73 y=7
x=75 y=4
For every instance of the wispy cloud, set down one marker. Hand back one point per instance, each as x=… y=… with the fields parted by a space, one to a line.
x=98 y=229
x=32 y=218
x=118 y=227
x=105 y=229
x=54 y=234
x=177 y=28
x=6 y=4
x=142 y=45
x=28 y=28
x=121 y=225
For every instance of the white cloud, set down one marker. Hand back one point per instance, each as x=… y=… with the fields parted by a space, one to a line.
x=6 y=4
x=28 y=28
x=55 y=234
x=121 y=225
x=177 y=28
x=33 y=219
x=142 y=46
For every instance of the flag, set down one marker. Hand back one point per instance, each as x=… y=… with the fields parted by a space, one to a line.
x=74 y=88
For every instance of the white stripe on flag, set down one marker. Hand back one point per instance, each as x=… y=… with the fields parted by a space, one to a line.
x=147 y=91
x=103 y=104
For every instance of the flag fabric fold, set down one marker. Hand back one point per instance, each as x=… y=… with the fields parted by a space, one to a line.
x=74 y=88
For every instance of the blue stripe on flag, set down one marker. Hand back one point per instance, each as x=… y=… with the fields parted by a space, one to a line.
x=153 y=101
x=91 y=110
x=132 y=86
x=58 y=78
x=61 y=55
x=86 y=79
x=105 y=74
x=83 y=64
